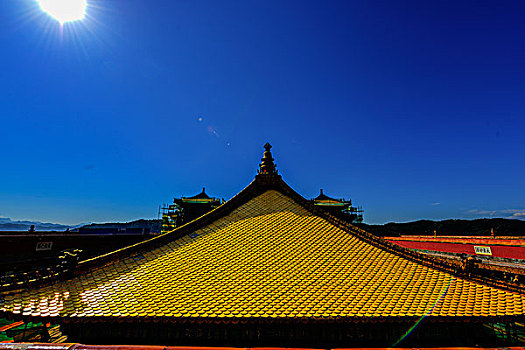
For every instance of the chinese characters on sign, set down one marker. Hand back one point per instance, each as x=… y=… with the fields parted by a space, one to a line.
x=44 y=246
x=482 y=250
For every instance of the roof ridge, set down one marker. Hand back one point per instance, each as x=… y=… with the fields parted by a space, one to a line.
x=465 y=270
x=240 y=198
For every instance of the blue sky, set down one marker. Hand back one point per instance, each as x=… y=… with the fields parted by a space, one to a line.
x=412 y=109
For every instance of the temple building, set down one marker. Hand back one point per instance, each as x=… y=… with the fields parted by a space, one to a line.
x=186 y=209
x=339 y=207
x=271 y=268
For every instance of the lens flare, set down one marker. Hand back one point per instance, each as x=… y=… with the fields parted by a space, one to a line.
x=427 y=313
x=64 y=10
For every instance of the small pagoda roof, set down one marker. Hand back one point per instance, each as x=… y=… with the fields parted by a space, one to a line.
x=324 y=200
x=324 y=197
x=201 y=195
x=198 y=198
x=266 y=255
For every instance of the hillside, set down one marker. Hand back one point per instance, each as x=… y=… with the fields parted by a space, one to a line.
x=152 y=224
x=478 y=227
x=6 y=224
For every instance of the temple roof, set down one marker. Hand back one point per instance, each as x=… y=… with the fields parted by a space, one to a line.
x=266 y=254
x=201 y=195
x=198 y=198
x=323 y=199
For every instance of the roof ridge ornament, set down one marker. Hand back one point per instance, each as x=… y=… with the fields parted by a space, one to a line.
x=267 y=165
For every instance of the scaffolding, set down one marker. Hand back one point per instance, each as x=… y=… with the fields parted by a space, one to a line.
x=186 y=209
x=339 y=207
x=171 y=217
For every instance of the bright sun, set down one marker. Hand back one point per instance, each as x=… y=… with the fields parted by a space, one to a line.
x=64 y=10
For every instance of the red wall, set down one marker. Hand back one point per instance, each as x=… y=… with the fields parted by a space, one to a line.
x=502 y=248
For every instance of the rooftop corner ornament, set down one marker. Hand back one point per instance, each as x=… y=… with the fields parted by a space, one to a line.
x=267 y=165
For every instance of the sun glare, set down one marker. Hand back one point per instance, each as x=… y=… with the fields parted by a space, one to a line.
x=64 y=10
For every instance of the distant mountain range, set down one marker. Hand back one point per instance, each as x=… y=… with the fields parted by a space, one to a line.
x=6 y=224
x=478 y=227
x=152 y=225
x=454 y=227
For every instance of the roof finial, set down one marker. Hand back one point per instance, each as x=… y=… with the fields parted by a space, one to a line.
x=267 y=166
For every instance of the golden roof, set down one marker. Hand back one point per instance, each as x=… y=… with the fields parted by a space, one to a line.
x=270 y=257
x=265 y=254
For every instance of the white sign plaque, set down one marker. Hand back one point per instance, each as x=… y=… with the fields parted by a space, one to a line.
x=482 y=250
x=44 y=246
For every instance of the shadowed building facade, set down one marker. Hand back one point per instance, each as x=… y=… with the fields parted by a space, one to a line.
x=270 y=268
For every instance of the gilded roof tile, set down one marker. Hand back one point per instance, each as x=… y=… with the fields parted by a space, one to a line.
x=270 y=258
